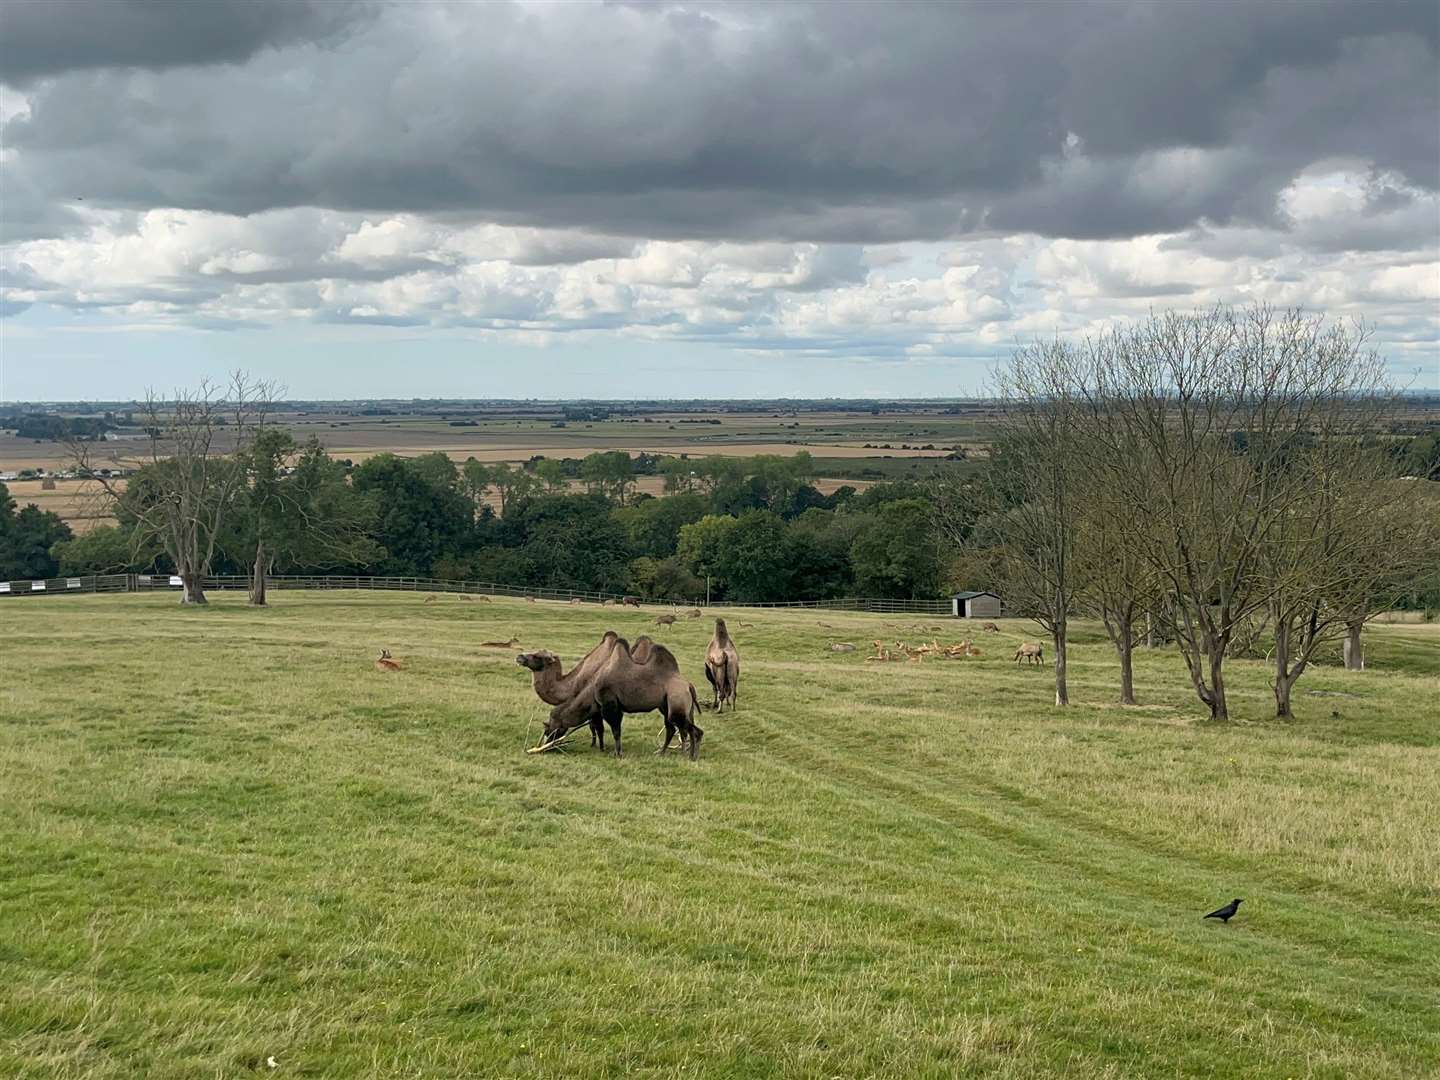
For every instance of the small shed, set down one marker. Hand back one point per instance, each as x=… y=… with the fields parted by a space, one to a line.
x=975 y=605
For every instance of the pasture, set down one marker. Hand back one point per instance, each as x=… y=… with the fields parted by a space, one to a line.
x=229 y=839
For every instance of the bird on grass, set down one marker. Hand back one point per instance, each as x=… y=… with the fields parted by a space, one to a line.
x=1227 y=912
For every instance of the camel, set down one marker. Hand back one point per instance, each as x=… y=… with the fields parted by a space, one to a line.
x=665 y=620
x=625 y=685
x=990 y=628
x=554 y=687
x=500 y=644
x=722 y=667
x=1030 y=650
x=387 y=663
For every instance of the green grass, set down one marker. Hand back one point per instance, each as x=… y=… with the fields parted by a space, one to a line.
x=226 y=837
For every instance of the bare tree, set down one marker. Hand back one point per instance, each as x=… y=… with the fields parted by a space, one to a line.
x=185 y=485
x=1213 y=410
x=1022 y=517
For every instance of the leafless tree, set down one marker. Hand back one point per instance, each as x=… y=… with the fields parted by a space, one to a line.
x=187 y=473
x=1214 y=411
x=1023 y=516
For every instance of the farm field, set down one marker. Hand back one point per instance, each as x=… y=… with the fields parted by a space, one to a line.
x=229 y=839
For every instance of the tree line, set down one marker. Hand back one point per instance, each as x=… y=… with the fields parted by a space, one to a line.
x=1219 y=481
x=747 y=529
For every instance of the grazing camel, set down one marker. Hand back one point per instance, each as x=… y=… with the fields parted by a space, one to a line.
x=722 y=667
x=1030 y=651
x=665 y=620
x=624 y=685
x=554 y=687
x=387 y=663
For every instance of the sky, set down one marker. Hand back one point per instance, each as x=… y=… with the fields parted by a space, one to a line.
x=362 y=198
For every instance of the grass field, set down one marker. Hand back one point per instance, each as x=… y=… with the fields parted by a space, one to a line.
x=227 y=838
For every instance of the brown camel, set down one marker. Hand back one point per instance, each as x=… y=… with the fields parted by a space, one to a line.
x=624 y=685
x=555 y=687
x=722 y=667
x=387 y=663
x=1030 y=651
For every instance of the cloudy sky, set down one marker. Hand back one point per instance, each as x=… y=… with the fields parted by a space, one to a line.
x=692 y=199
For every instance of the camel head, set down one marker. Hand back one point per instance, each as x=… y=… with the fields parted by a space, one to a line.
x=538 y=660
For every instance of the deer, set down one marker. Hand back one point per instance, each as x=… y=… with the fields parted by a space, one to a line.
x=665 y=620
x=1030 y=651
x=388 y=663
x=990 y=628
x=500 y=644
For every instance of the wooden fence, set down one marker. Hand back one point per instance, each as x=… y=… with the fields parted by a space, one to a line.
x=150 y=582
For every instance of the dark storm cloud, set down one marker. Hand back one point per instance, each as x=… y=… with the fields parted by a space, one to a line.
x=47 y=37
x=835 y=122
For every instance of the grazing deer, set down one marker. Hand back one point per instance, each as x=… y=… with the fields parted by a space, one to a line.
x=1031 y=652
x=429 y=599
x=629 y=601
x=479 y=598
x=576 y=600
x=990 y=628
x=386 y=663
x=665 y=620
x=530 y=599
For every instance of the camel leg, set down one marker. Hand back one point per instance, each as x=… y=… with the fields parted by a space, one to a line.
x=669 y=734
x=614 y=717
x=695 y=736
x=597 y=734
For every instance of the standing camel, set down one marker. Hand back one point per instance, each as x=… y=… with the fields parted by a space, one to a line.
x=555 y=687
x=623 y=685
x=722 y=667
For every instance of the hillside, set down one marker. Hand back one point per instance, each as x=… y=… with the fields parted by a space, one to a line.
x=228 y=838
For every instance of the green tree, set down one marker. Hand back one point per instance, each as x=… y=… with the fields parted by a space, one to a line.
x=897 y=554
x=26 y=538
x=422 y=514
x=551 y=473
x=754 y=559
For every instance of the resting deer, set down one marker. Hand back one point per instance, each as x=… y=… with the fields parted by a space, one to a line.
x=386 y=663
x=990 y=628
x=500 y=644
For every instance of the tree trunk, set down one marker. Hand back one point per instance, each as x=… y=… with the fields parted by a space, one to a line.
x=257 y=576
x=1284 y=679
x=1062 y=690
x=1126 y=648
x=1354 y=650
x=1219 y=708
x=1149 y=630
x=193 y=588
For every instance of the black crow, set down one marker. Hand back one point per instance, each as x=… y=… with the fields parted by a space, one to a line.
x=1224 y=914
